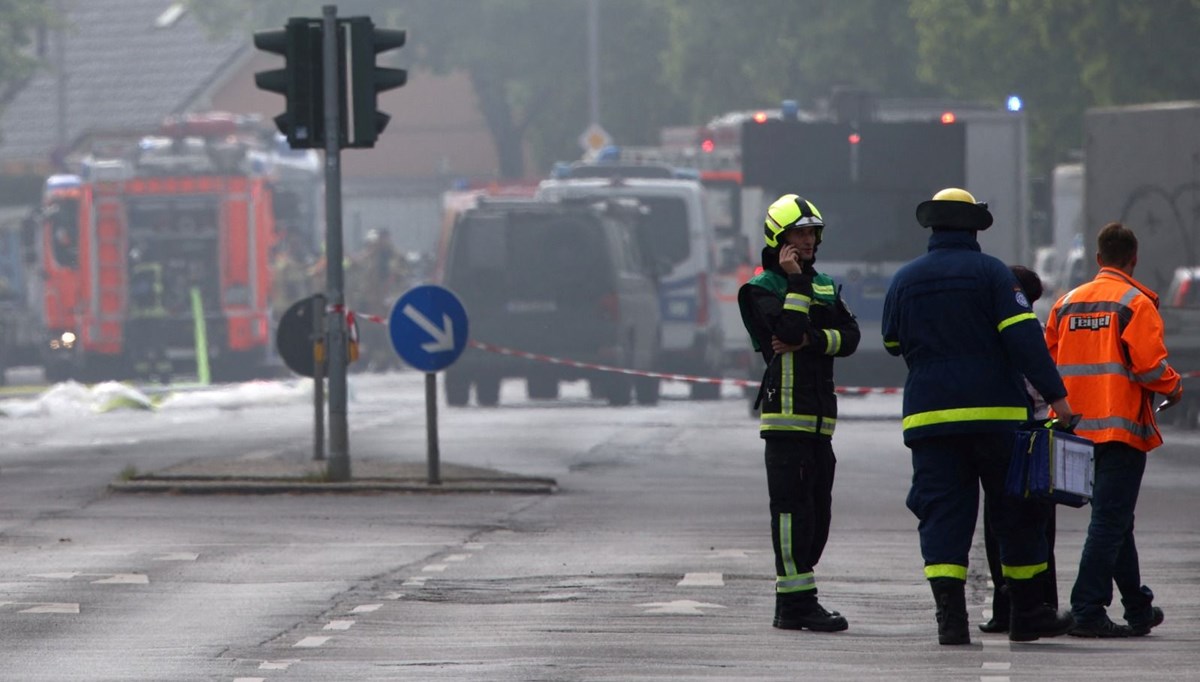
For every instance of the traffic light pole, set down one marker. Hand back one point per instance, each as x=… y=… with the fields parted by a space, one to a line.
x=338 y=468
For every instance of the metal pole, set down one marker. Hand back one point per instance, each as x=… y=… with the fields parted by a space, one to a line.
x=593 y=31
x=338 y=468
x=431 y=430
x=319 y=355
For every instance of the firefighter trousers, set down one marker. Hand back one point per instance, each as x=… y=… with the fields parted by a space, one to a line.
x=947 y=474
x=800 y=485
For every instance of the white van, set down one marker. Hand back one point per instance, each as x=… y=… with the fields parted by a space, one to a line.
x=675 y=232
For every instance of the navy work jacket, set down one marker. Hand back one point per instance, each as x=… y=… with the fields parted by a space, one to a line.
x=967 y=334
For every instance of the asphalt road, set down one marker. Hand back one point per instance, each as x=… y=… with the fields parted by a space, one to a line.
x=650 y=562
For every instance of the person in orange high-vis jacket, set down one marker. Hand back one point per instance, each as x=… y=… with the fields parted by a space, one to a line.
x=1106 y=337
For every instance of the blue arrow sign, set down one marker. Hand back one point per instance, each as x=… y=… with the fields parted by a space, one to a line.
x=428 y=326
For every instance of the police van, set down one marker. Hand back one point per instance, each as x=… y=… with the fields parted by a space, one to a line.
x=673 y=229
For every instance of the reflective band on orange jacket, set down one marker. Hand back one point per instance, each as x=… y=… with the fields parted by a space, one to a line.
x=1107 y=338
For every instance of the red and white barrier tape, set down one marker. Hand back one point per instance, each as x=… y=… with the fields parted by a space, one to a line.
x=537 y=357
x=501 y=350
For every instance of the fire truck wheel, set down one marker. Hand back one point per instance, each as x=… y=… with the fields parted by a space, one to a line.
x=542 y=387
x=647 y=390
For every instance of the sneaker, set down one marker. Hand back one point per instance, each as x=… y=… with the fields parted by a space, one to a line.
x=1103 y=628
x=1141 y=628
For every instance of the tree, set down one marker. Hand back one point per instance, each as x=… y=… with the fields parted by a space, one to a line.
x=21 y=21
x=726 y=56
x=1062 y=56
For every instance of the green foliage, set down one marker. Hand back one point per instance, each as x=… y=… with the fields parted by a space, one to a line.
x=680 y=62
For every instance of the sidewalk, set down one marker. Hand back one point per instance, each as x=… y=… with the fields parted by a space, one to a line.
x=295 y=473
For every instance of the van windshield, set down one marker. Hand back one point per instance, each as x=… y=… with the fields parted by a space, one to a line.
x=531 y=254
x=663 y=229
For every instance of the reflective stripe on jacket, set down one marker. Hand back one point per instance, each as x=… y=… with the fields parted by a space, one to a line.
x=967 y=334
x=798 y=398
x=1107 y=338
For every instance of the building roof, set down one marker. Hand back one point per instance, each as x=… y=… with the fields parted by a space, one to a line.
x=128 y=64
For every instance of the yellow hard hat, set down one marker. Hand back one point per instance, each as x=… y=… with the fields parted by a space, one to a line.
x=954 y=208
x=791 y=211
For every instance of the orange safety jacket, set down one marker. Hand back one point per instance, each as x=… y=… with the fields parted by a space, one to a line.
x=1106 y=337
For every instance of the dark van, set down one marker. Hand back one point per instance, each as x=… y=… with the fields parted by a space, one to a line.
x=561 y=279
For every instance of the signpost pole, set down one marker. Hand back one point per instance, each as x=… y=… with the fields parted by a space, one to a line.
x=431 y=428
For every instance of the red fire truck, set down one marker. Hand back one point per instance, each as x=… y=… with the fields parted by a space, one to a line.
x=158 y=258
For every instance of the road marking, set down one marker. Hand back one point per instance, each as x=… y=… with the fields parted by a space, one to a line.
x=987 y=613
x=124 y=579
x=345 y=625
x=110 y=579
x=732 y=553
x=249 y=679
x=434 y=568
x=702 y=580
x=996 y=644
x=474 y=545
x=996 y=665
x=394 y=595
x=310 y=642
x=458 y=557
x=680 y=607
x=278 y=665
x=52 y=608
x=178 y=556
x=560 y=596
x=993 y=678
x=987 y=599
x=415 y=581
x=366 y=608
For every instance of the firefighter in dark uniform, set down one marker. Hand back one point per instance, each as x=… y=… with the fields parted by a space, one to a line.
x=799 y=324
x=967 y=334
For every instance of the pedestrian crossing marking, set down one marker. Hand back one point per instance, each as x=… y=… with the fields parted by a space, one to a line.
x=52 y=608
x=366 y=608
x=702 y=580
x=338 y=625
x=679 y=607
x=124 y=579
x=310 y=642
x=178 y=556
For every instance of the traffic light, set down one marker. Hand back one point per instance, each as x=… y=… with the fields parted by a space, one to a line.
x=368 y=80
x=299 y=81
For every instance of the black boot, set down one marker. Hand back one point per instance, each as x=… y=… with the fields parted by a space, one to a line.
x=1001 y=611
x=1031 y=617
x=950 y=596
x=803 y=612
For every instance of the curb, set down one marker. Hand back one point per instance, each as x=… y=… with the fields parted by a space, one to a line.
x=217 y=486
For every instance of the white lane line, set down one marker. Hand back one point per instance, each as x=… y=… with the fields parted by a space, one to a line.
x=341 y=625
x=56 y=576
x=996 y=644
x=249 y=679
x=394 y=595
x=278 y=665
x=679 y=607
x=178 y=556
x=434 y=568
x=993 y=678
x=366 y=608
x=458 y=557
x=124 y=579
x=474 y=545
x=996 y=665
x=564 y=596
x=52 y=608
x=415 y=581
x=310 y=642
x=702 y=580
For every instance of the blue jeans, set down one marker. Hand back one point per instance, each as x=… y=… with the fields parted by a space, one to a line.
x=1109 y=553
